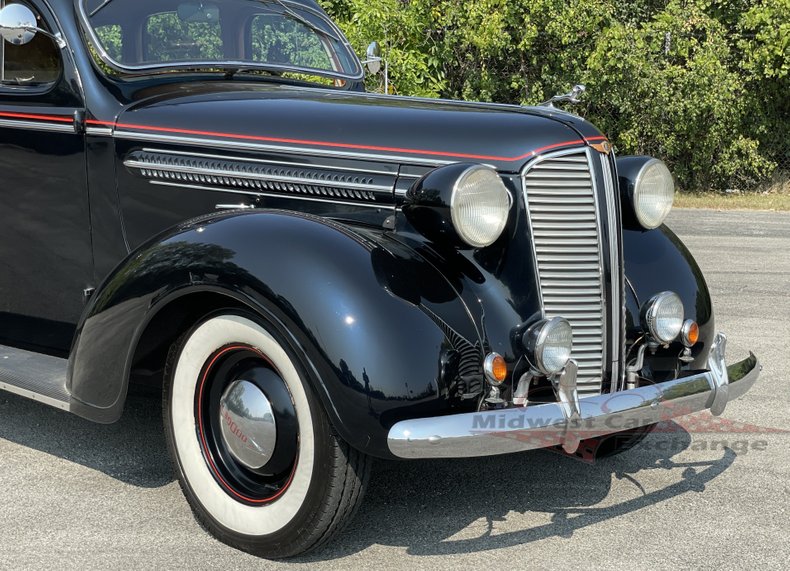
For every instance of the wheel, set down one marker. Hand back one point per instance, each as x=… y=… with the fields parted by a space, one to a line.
x=252 y=447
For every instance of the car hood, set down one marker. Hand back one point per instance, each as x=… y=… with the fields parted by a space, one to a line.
x=351 y=124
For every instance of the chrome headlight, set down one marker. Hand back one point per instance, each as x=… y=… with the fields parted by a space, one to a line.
x=479 y=206
x=663 y=316
x=549 y=344
x=463 y=204
x=654 y=192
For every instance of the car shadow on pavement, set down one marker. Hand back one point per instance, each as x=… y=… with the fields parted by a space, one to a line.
x=439 y=507
x=448 y=507
x=132 y=450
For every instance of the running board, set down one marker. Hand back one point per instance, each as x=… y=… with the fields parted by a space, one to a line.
x=35 y=376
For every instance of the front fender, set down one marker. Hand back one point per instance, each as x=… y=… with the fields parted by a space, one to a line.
x=656 y=261
x=370 y=318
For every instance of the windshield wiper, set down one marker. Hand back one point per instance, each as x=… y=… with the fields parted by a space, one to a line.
x=232 y=71
x=299 y=18
x=99 y=7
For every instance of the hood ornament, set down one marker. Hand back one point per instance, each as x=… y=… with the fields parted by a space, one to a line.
x=571 y=97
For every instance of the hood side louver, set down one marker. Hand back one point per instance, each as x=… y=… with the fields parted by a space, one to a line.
x=257 y=177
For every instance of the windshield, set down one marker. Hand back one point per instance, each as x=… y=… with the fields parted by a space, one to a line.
x=232 y=36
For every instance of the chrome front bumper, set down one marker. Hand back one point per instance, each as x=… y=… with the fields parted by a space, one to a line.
x=572 y=419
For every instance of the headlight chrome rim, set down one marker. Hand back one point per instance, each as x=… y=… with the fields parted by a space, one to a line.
x=656 y=311
x=536 y=341
x=471 y=234
x=652 y=220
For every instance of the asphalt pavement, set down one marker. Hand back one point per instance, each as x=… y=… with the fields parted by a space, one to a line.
x=698 y=494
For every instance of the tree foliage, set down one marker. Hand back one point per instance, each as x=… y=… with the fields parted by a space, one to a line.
x=702 y=84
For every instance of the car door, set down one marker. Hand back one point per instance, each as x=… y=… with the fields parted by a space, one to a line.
x=45 y=242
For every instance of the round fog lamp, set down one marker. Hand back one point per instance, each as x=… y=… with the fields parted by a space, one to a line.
x=663 y=316
x=549 y=344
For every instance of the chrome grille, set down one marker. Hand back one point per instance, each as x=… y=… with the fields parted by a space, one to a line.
x=564 y=217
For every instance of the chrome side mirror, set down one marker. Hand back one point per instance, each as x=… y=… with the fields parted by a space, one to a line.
x=18 y=26
x=373 y=58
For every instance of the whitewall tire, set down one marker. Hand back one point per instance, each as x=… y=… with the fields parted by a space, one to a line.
x=275 y=496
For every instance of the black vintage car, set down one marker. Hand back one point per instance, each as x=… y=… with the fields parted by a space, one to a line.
x=200 y=196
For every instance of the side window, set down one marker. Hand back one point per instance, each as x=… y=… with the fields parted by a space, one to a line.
x=280 y=40
x=34 y=65
x=171 y=38
x=112 y=40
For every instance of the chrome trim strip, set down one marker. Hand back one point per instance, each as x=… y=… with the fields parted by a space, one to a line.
x=392 y=173
x=608 y=333
x=63 y=405
x=241 y=206
x=236 y=145
x=378 y=206
x=617 y=313
x=145 y=165
x=99 y=131
x=544 y=425
x=33 y=126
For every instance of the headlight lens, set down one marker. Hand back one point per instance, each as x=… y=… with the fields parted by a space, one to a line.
x=479 y=206
x=663 y=316
x=654 y=193
x=549 y=344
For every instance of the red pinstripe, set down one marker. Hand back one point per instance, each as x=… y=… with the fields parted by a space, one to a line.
x=328 y=144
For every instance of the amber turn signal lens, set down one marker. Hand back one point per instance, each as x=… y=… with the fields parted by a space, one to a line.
x=495 y=368
x=690 y=333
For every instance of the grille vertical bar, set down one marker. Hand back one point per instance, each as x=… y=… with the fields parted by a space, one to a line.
x=565 y=222
x=616 y=311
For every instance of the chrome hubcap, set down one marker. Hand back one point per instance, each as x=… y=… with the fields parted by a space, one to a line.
x=247 y=424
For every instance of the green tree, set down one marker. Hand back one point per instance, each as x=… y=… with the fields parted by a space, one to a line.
x=671 y=93
x=764 y=45
x=700 y=83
